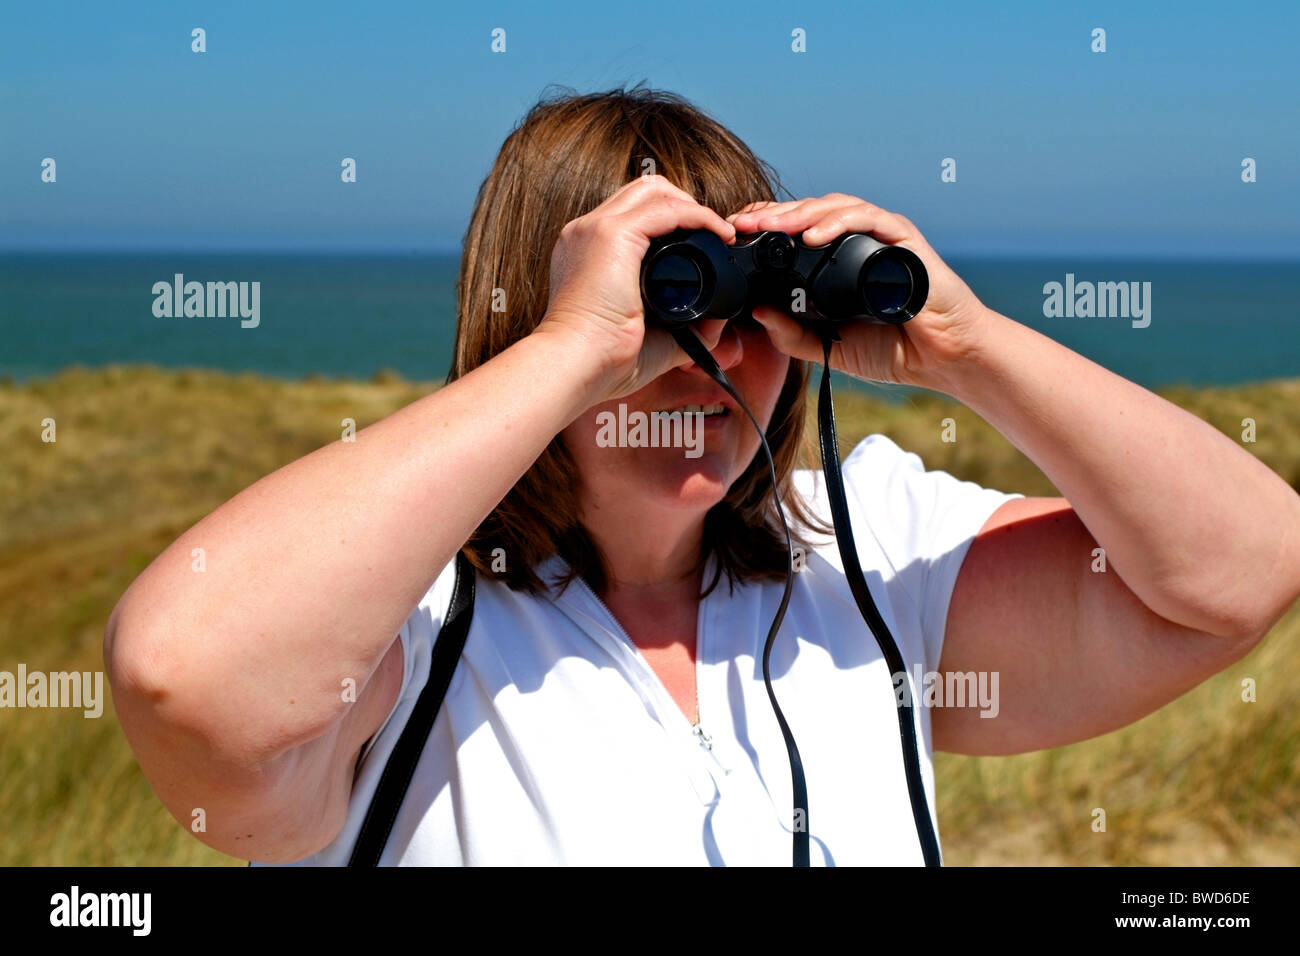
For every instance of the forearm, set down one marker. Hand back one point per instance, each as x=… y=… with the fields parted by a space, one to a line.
x=311 y=571
x=1199 y=529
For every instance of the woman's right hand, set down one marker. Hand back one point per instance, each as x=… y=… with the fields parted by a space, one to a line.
x=595 y=288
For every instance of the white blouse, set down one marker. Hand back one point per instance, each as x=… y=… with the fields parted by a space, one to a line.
x=557 y=744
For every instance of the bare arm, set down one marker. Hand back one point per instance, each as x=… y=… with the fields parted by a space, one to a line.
x=1201 y=540
x=229 y=682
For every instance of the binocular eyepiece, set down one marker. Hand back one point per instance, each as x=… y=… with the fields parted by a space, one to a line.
x=691 y=273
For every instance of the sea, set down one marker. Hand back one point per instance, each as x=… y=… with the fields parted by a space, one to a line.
x=1208 y=322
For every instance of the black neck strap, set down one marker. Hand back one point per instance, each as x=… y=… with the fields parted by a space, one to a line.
x=399 y=770
x=867 y=607
x=691 y=344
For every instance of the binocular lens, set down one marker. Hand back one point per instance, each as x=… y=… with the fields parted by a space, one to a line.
x=673 y=283
x=886 y=284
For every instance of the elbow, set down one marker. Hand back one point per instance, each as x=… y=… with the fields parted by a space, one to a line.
x=1242 y=600
x=161 y=688
x=212 y=759
x=1277 y=586
x=1251 y=625
x=131 y=660
x=1252 y=631
x=162 y=704
x=174 y=689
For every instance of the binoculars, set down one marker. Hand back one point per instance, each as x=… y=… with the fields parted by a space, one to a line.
x=691 y=273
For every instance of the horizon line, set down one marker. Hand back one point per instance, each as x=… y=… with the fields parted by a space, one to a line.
x=12 y=378
x=428 y=252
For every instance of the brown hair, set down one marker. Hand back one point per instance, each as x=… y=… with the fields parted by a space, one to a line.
x=564 y=158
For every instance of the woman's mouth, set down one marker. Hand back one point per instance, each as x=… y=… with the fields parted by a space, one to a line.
x=709 y=411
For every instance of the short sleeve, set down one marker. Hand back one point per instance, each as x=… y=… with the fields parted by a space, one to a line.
x=418 y=633
x=923 y=522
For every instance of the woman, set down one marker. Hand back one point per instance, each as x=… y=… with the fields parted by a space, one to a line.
x=609 y=705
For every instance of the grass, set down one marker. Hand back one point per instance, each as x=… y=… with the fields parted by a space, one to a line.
x=142 y=453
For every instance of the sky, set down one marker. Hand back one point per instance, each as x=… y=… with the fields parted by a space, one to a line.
x=1059 y=150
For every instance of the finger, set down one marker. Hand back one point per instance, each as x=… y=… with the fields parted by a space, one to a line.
x=660 y=215
x=797 y=206
x=751 y=207
x=710 y=331
x=793 y=338
x=661 y=353
x=636 y=191
x=749 y=217
x=833 y=215
x=856 y=217
x=866 y=351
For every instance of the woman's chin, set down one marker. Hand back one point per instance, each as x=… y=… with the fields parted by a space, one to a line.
x=689 y=482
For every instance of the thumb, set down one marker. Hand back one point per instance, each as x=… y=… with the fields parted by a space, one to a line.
x=710 y=332
x=793 y=338
x=660 y=352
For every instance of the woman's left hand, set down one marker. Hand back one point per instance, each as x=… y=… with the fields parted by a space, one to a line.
x=919 y=352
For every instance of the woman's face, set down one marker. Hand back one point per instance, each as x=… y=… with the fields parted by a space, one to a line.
x=697 y=473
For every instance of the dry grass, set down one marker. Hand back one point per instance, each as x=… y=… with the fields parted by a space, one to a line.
x=143 y=453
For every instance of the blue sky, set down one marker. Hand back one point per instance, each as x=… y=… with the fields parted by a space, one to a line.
x=1135 y=151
